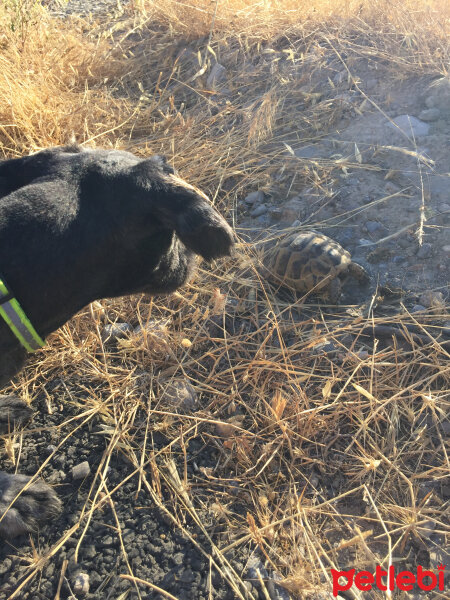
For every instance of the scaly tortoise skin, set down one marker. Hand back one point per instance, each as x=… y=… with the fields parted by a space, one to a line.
x=310 y=262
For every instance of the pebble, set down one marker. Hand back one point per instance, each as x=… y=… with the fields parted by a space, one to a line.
x=391 y=188
x=292 y=210
x=115 y=331
x=418 y=308
x=254 y=197
x=430 y=114
x=446 y=249
x=259 y=210
x=373 y=226
x=432 y=299
x=424 y=251
x=444 y=207
x=81 y=471
x=364 y=242
x=439 y=95
x=179 y=393
x=398 y=260
x=275 y=213
x=217 y=75
x=81 y=584
x=410 y=125
x=153 y=334
x=307 y=152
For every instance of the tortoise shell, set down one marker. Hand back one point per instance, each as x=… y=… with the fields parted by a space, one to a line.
x=308 y=261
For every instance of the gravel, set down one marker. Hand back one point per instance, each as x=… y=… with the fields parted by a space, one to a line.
x=157 y=551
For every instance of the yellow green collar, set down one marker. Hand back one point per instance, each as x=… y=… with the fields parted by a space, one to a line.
x=16 y=319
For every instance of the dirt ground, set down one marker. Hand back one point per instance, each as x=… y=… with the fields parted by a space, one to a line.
x=375 y=177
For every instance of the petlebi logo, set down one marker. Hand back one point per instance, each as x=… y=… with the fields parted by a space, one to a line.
x=389 y=580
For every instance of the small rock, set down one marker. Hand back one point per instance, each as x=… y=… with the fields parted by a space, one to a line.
x=292 y=210
x=254 y=197
x=296 y=223
x=81 y=471
x=307 y=152
x=179 y=393
x=81 y=584
x=364 y=242
x=217 y=75
x=259 y=210
x=446 y=329
x=89 y=551
x=153 y=334
x=430 y=114
x=444 y=207
x=115 y=331
x=275 y=213
x=410 y=125
x=391 y=188
x=263 y=220
x=446 y=249
x=340 y=77
x=373 y=226
x=432 y=299
x=398 y=260
x=418 y=308
x=325 y=347
x=439 y=95
x=424 y=251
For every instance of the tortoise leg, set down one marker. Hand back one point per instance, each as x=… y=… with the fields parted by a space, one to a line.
x=334 y=290
x=358 y=272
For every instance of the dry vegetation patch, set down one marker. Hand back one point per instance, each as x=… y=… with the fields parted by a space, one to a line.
x=328 y=431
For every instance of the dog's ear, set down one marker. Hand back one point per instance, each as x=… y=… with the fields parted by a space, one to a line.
x=204 y=231
x=184 y=209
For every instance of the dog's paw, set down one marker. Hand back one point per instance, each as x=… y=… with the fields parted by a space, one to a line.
x=29 y=509
x=13 y=413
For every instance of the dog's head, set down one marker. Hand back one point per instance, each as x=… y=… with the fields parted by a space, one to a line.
x=183 y=208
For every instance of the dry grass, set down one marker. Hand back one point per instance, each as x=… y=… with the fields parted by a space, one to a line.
x=324 y=460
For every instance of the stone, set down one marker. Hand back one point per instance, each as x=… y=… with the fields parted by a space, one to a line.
x=410 y=125
x=425 y=250
x=115 y=331
x=430 y=114
x=179 y=393
x=373 y=226
x=293 y=209
x=439 y=95
x=398 y=260
x=444 y=207
x=217 y=75
x=153 y=334
x=446 y=329
x=81 y=585
x=432 y=299
x=259 y=210
x=254 y=197
x=275 y=213
x=418 y=308
x=81 y=471
x=307 y=152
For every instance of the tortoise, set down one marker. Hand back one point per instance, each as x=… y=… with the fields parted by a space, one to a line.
x=310 y=262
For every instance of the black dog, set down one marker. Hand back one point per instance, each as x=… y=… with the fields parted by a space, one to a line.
x=79 y=225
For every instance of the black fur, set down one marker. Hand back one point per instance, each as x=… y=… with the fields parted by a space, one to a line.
x=78 y=225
